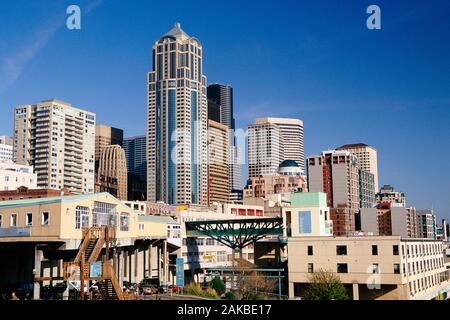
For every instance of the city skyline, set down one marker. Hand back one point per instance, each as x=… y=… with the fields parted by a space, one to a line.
x=384 y=113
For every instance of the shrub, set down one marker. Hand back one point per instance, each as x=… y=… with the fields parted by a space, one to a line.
x=193 y=289
x=210 y=293
x=230 y=295
x=218 y=285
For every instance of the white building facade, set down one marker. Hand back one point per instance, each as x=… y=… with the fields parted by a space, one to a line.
x=13 y=176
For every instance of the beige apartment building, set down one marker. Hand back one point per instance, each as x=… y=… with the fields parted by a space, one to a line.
x=112 y=174
x=367 y=158
x=59 y=141
x=218 y=162
x=372 y=267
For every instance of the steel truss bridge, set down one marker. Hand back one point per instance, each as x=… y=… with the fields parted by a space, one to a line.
x=237 y=233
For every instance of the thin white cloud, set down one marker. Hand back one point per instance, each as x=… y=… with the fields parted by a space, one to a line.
x=11 y=66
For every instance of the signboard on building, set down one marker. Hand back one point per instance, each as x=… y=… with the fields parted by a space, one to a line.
x=180 y=272
x=95 y=270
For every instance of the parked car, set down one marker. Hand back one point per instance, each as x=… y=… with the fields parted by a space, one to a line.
x=174 y=289
x=147 y=286
x=164 y=288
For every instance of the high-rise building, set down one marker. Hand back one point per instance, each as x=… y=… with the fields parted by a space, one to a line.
x=388 y=194
x=426 y=224
x=366 y=189
x=235 y=168
x=6 y=148
x=177 y=169
x=265 y=149
x=136 y=155
x=222 y=95
x=214 y=111
x=106 y=136
x=59 y=141
x=292 y=136
x=367 y=158
x=218 y=171
x=220 y=109
x=112 y=172
x=337 y=174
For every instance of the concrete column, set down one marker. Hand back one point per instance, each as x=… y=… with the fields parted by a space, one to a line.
x=121 y=257
x=150 y=247
x=38 y=257
x=291 y=290
x=166 y=263
x=135 y=267
x=159 y=264
x=355 y=291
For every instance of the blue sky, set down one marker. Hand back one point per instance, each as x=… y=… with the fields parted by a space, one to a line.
x=315 y=60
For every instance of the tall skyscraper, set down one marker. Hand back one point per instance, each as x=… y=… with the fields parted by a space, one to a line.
x=265 y=149
x=59 y=141
x=177 y=121
x=367 y=158
x=112 y=172
x=292 y=137
x=220 y=99
x=105 y=136
x=136 y=155
x=222 y=95
x=218 y=171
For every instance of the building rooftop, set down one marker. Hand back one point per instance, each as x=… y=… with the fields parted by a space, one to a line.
x=288 y=163
x=41 y=201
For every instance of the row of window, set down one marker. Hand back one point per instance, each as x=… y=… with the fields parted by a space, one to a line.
x=13 y=220
x=343 y=268
x=341 y=250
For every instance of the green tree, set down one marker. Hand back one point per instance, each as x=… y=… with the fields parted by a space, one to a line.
x=218 y=285
x=325 y=285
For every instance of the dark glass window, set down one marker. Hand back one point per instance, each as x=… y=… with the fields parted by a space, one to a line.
x=374 y=250
x=310 y=250
x=342 y=268
x=395 y=250
x=341 y=250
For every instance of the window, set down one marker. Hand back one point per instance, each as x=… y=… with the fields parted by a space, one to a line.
x=341 y=250
x=1 y=220
x=375 y=268
x=395 y=251
x=374 y=250
x=310 y=267
x=81 y=217
x=310 y=250
x=44 y=220
x=342 y=268
x=124 y=221
x=29 y=220
x=396 y=268
x=304 y=222
x=13 y=220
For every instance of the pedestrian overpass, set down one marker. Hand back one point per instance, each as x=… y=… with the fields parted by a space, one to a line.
x=236 y=233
